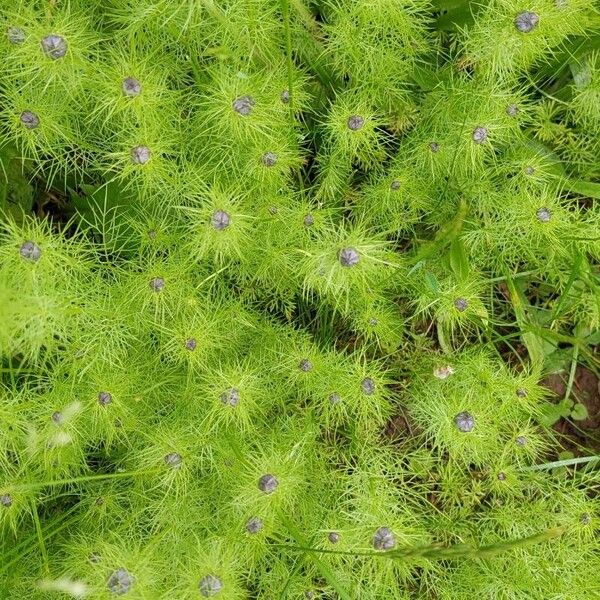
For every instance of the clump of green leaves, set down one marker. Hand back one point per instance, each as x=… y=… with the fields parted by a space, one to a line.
x=279 y=286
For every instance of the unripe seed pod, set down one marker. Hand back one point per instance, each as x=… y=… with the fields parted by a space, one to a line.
x=6 y=500
x=190 y=344
x=220 y=220
x=543 y=214
x=384 y=539
x=349 y=257
x=104 y=398
x=501 y=476
x=269 y=159
x=131 y=87
x=173 y=460
x=157 y=284
x=461 y=304
x=368 y=386
x=210 y=585
x=334 y=537
x=305 y=365
x=243 y=105
x=308 y=220
x=30 y=251
x=434 y=147
x=512 y=110
x=395 y=185
x=521 y=441
x=231 y=397
x=480 y=135
x=334 y=398
x=268 y=484
x=254 y=525
x=119 y=582
x=355 y=122
x=54 y=46
x=140 y=155
x=526 y=21
x=585 y=519
x=29 y=120
x=15 y=35
x=521 y=393
x=285 y=96
x=464 y=422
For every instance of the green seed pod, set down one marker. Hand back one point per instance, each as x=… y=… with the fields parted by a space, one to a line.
x=526 y=21
x=54 y=46
x=30 y=251
x=131 y=87
x=6 y=500
x=157 y=284
x=348 y=257
x=464 y=422
x=120 y=582
x=543 y=215
x=384 y=539
x=461 y=304
x=220 y=220
x=230 y=397
x=29 y=119
x=268 y=484
x=210 y=585
x=243 y=105
x=173 y=460
x=480 y=135
x=15 y=35
x=355 y=122
x=254 y=525
x=140 y=155
x=104 y=398
x=269 y=159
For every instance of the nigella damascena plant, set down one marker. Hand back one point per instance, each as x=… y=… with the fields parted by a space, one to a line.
x=140 y=155
x=30 y=251
x=104 y=398
x=54 y=46
x=131 y=87
x=384 y=539
x=254 y=525
x=269 y=159
x=157 y=284
x=173 y=460
x=464 y=422
x=526 y=21
x=210 y=586
x=243 y=105
x=15 y=35
x=220 y=220
x=268 y=484
x=119 y=582
x=349 y=257
x=29 y=119
x=230 y=397
x=355 y=122
x=480 y=135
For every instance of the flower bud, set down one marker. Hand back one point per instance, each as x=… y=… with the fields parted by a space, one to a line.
x=119 y=582
x=54 y=46
x=348 y=257
x=355 y=122
x=131 y=87
x=243 y=105
x=210 y=585
x=464 y=422
x=220 y=220
x=140 y=155
x=29 y=120
x=30 y=251
x=268 y=484
x=384 y=539
x=104 y=398
x=526 y=21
